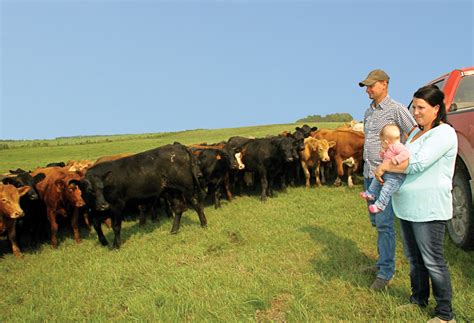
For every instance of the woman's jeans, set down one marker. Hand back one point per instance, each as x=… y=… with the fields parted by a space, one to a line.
x=383 y=222
x=423 y=246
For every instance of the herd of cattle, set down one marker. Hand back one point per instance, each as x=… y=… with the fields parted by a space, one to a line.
x=172 y=176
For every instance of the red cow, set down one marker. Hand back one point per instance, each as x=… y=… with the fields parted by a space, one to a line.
x=10 y=211
x=349 y=143
x=59 y=191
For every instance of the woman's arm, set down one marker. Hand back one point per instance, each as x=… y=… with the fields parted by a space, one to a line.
x=388 y=166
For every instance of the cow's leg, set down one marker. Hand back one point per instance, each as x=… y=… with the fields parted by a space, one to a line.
x=154 y=209
x=226 y=186
x=317 y=173
x=117 y=225
x=54 y=227
x=306 y=174
x=178 y=205
x=200 y=211
x=176 y=222
x=11 y=227
x=323 y=170
x=284 y=182
x=349 y=176
x=264 y=182
x=217 y=199
x=97 y=223
x=75 y=226
x=340 y=170
x=85 y=214
x=142 y=217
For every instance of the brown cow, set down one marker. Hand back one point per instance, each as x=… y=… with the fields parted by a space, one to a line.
x=59 y=191
x=349 y=143
x=79 y=166
x=315 y=151
x=10 y=211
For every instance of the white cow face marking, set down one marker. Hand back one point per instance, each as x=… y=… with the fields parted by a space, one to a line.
x=238 y=157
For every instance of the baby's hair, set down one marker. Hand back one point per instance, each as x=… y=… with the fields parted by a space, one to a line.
x=390 y=131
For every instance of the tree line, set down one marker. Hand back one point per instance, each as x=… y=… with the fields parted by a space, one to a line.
x=335 y=117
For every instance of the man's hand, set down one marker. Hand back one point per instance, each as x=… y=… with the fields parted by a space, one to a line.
x=378 y=173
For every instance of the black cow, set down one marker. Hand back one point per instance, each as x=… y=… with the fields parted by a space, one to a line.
x=268 y=157
x=56 y=164
x=215 y=165
x=306 y=130
x=169 y=170
x=297 y=137
x=34 y=224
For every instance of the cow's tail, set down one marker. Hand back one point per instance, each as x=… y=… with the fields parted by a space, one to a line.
x=197 y=174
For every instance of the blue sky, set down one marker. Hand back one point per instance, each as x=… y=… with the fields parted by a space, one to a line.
x=118 y=67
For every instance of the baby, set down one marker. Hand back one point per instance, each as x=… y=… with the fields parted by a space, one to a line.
x=396 y=152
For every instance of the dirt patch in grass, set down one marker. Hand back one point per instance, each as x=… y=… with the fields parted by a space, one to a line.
x=277 y=310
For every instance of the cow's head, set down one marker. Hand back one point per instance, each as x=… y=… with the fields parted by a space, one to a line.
x=68 y=186
x=285 y=146
x=235 y=157
x=10 y=200
x=298 y=140
x=323 y=149
x=25 y=179
x=92 y=188
x=306 y=130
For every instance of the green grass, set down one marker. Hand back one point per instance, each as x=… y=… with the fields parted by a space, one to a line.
x=293 y=258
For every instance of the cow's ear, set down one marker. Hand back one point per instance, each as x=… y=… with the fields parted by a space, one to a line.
x=59 y=185
x=23 y=190
x=9 y=180
x=298 y=129
x=74 y=181
x=314 y=128
x=38 y=178
x=108 y=176
x=331 y=144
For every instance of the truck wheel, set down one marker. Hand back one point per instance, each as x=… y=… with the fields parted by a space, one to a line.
x=461 y=226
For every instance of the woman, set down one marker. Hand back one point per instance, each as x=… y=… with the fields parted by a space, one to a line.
x=424 y=202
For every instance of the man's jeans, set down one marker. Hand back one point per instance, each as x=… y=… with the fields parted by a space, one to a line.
x=423 y=246
x=383 y=222
x=383 y=193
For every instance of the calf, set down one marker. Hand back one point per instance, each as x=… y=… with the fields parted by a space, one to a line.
x=10 y=211
x=59 y=192
x=168 y=170
x=315 y=152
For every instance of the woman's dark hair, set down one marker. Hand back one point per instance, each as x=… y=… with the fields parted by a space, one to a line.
x=434 y=96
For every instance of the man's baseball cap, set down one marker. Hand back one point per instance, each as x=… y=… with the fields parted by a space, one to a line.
x=374 y=76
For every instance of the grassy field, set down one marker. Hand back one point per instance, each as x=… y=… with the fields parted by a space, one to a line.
x=294 y=258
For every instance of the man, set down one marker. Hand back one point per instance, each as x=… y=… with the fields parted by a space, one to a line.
x=382 y=110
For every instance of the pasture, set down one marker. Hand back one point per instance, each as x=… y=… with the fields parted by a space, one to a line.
x=294 y=258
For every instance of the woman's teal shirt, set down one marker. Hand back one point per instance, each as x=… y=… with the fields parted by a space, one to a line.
x=425 y=195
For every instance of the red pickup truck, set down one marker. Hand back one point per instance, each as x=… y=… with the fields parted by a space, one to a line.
x=458 y=88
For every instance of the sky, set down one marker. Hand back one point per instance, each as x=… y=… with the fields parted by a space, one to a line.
x=83 y=67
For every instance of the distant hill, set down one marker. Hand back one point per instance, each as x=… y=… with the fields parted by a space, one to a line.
x=335 y=117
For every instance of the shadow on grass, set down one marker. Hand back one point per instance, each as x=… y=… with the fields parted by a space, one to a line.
x=339 y=257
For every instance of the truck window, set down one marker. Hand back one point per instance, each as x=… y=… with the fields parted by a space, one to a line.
x=439 y=84
x=464 y=97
